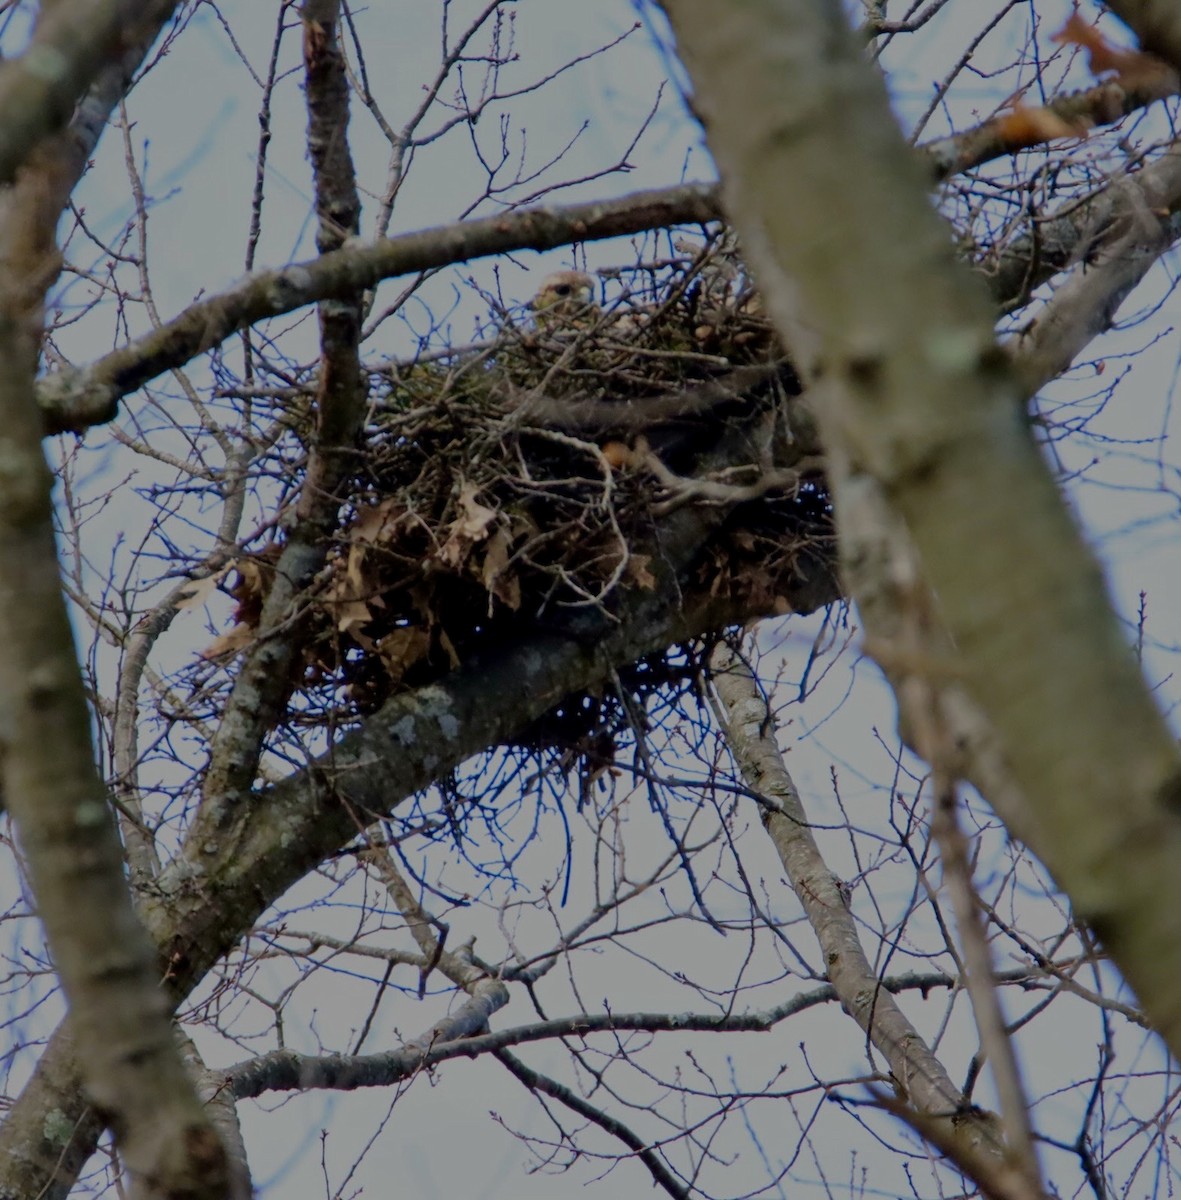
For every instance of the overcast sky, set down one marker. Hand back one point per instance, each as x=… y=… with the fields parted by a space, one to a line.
x=195 y=136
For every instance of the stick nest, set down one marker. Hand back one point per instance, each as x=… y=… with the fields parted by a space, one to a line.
x=522 y=483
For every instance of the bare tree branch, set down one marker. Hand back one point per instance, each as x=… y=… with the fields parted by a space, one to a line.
x=1069 y=116
x=260 y=689
x=72 y=44
x=469 y=706
x=1084 y=305
x=918 y=1075
x=120 y=1017
x=933 y=414
x=243 y=852
x=537 y=1082
x=76 y=398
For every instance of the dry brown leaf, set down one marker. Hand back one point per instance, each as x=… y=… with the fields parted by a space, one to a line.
x=372 y=526
x=496 y=556
x=448 y=648
x=638 y=573
x=505 y=587
x=618 y=455
x=402 y=648
x=250 y=576
x=230 y=642
x=250 y=590
x=197 y=591
x=1133 y=67
x=351 y=606
x=354 y=571
x=1026 y=126
x=375 y=523
x=351 y=617
x=469 y=528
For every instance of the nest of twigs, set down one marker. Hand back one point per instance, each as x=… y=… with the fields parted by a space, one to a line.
x=522 y=484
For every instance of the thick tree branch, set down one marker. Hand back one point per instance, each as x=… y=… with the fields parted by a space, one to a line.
x=881 y=567
x=240 y=856
x=1069 y=116
x=919 y=1077
x=1065 y=239
x=285 y=1070
x=120 y=1020
x=72 y=43
x=76 y=398
x=108 y=968
x=931 y=410
x=260 y=689
x=1084 y=305
x=220 y=1104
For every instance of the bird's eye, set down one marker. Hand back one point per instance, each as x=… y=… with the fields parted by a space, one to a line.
x=563 y=289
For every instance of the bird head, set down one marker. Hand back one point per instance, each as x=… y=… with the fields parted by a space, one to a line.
x=565 y=297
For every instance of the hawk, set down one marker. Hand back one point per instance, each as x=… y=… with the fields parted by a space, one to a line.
x=565 y=300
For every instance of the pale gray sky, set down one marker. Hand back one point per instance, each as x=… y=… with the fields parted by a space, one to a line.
x=195 y=137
